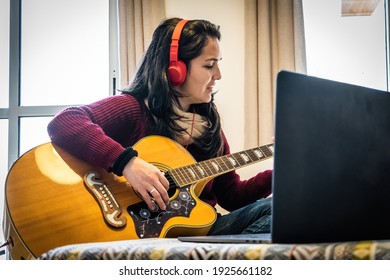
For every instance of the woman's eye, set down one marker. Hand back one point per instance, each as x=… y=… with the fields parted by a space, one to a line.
x=209 y=66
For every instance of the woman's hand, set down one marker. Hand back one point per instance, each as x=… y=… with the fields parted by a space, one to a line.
x=148 y=181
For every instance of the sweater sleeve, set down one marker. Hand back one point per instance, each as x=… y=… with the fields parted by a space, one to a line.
x=233 y=193
x=99 y=132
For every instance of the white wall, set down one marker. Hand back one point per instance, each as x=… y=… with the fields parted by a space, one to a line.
x=229 y=15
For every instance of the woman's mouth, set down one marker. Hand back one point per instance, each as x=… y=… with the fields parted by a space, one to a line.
x=211 y=88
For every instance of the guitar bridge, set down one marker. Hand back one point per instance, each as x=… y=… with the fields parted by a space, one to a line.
x=109 y=206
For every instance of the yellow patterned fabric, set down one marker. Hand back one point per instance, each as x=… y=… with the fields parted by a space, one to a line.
x=170 y=249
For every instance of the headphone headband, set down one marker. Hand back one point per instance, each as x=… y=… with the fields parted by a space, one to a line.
x=174 y=50
x=177 y=69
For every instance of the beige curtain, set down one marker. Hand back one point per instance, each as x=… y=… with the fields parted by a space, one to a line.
x=274 y=41
x=137 y=21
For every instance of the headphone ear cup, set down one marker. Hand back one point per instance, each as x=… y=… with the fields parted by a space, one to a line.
x=177 y=72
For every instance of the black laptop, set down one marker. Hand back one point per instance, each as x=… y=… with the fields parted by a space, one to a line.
x=331 y=178
x=331 y=163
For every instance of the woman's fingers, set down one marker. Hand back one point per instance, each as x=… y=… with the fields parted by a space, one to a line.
x=149 y=182
x=161 y=198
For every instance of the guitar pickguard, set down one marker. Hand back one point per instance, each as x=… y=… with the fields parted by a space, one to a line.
x=148 y=224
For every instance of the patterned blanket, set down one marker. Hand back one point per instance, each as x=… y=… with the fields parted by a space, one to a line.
x=173 y=249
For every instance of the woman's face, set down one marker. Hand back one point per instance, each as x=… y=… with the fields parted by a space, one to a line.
x=202 y=73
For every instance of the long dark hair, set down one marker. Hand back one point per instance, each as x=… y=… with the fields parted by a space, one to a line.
x=151 y=81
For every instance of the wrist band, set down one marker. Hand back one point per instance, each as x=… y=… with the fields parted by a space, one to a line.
x=120 y=163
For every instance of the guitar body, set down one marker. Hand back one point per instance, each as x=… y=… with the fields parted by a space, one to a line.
x=55 y=199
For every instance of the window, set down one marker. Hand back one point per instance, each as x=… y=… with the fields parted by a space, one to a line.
x=64 y=57
x=57 y=53
x=351 y=48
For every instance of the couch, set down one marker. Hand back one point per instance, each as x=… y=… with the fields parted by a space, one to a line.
x=173 y=249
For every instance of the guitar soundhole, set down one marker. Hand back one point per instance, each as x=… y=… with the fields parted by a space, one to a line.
x=149 y=224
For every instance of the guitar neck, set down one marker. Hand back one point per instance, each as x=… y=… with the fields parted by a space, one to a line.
x=211 y=168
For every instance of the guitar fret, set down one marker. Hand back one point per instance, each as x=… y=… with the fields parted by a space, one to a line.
x=187 y=177
x=252 y=155
x=233 y=160
x=267 y=151
x=228 y=163
x=199 y=171
x=180 y=178
x=215 y=166
x=206 y=168
x=192 y=173
x=245 y=157
x=259 y=153
x=222 y=164
x=239 y=159
x=183 y=174
x=172 y=172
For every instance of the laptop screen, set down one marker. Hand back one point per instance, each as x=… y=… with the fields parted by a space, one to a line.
x=332 y=161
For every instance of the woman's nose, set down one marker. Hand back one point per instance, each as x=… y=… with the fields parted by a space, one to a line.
x=217 y=75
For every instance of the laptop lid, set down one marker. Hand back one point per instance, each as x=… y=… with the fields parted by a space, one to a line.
x=331 y=178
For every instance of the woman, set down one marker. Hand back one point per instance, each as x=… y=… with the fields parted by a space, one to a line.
x=171 y=95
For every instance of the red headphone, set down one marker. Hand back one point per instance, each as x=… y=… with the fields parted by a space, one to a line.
x=177 y=69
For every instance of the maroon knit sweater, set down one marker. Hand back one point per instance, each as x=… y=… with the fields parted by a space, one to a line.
x=99 y=132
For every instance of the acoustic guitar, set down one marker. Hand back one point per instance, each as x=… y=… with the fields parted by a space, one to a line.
x=53 y=198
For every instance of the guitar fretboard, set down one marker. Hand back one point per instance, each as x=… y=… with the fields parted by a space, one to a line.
x=196 y=172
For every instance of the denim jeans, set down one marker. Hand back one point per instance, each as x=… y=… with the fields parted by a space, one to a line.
x=253 y=218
